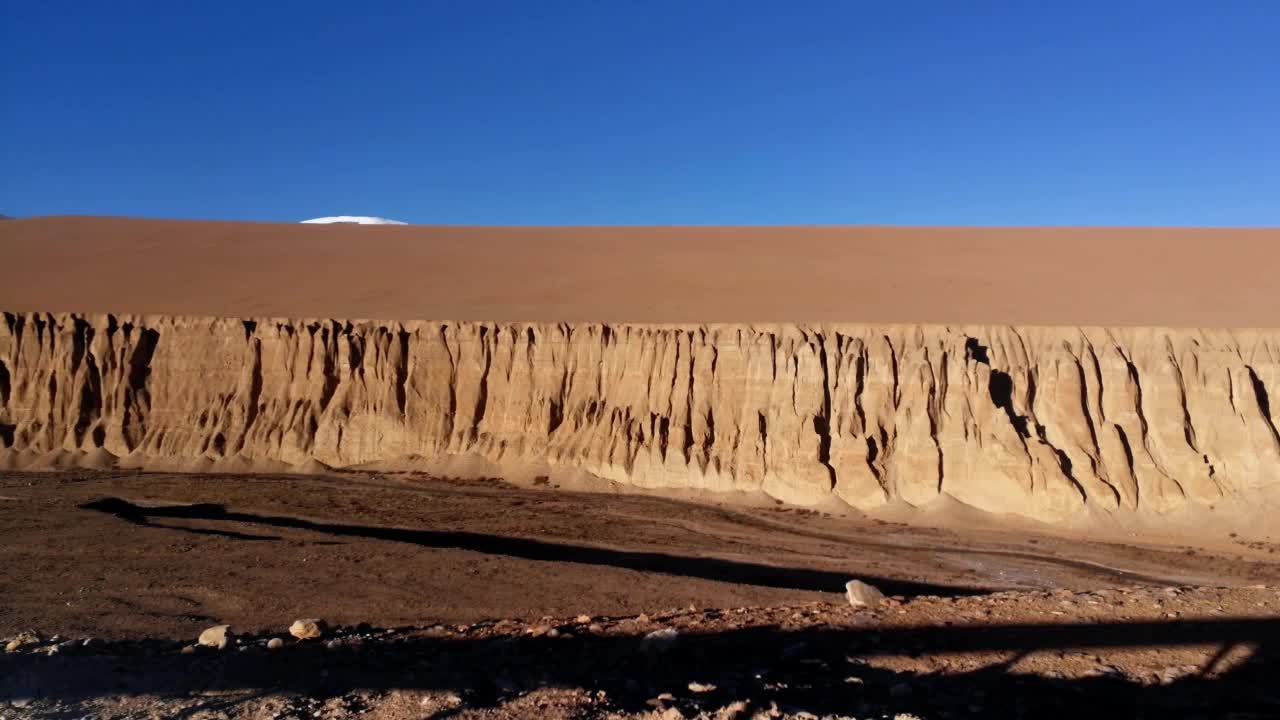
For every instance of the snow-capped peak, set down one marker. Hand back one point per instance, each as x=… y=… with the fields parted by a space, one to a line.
x=353 y=220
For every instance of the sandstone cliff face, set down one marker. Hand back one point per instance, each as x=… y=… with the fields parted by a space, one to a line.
x=1043 y=422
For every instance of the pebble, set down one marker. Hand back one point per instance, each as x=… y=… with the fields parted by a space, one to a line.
x=307 y=628
x=20 y=640
x=275 y=644
x=662 y=698
x=701 y=687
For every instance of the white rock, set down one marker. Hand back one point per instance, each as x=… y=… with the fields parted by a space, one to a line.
x=861 y=594
x=215 y=637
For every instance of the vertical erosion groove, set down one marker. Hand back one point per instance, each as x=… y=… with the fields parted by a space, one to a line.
x=328 y=363
x=402 y=372
x=7 y=430
x=633 y=403
x=482 y=395
x=1000 y=388
x=1188 y=429
x=5 y=387
x=137 y=398
x=1264 y=403
x=822 y=421
x=1088 y=417
x=872 y=453
x=255 y=392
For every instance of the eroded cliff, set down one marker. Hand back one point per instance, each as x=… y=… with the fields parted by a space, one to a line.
x=1039 y=421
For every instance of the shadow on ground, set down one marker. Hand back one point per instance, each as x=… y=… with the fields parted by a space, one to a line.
x=731 y=571
x=821 y=671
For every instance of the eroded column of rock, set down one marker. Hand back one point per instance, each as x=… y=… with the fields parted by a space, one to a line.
x=1042 y=422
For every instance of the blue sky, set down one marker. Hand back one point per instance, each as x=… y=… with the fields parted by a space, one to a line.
x=645 y=112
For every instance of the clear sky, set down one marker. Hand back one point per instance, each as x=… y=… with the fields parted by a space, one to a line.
x=645 y=112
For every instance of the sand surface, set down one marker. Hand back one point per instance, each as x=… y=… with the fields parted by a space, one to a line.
x=1055 y=276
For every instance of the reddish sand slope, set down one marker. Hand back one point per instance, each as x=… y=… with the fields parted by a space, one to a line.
x=1054 y=276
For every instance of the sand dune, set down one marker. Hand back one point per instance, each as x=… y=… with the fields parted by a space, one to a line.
x=1029 y=276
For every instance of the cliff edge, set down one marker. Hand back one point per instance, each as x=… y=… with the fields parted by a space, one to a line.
x=1044 y=422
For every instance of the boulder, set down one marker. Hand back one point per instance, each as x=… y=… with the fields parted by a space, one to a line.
x=861 y=594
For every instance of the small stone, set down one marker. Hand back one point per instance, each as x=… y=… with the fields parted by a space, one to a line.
x=215 y=637
x=701 y=687
x=733 y=711
x=595 y=628
x=21 y=639
x=583 y=619
x=861 y=594
x=659 y=640
x=188 y=650
x=275 y=644
x=553 y=633
x=307 y=628
x=662 y=698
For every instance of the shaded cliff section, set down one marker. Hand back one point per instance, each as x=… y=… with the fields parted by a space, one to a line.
x=1038 y=421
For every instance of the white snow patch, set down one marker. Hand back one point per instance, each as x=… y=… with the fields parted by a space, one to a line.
x=353 y=220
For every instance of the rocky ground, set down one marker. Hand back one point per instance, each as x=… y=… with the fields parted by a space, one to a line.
x=1128 y=652
x=480 y=600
